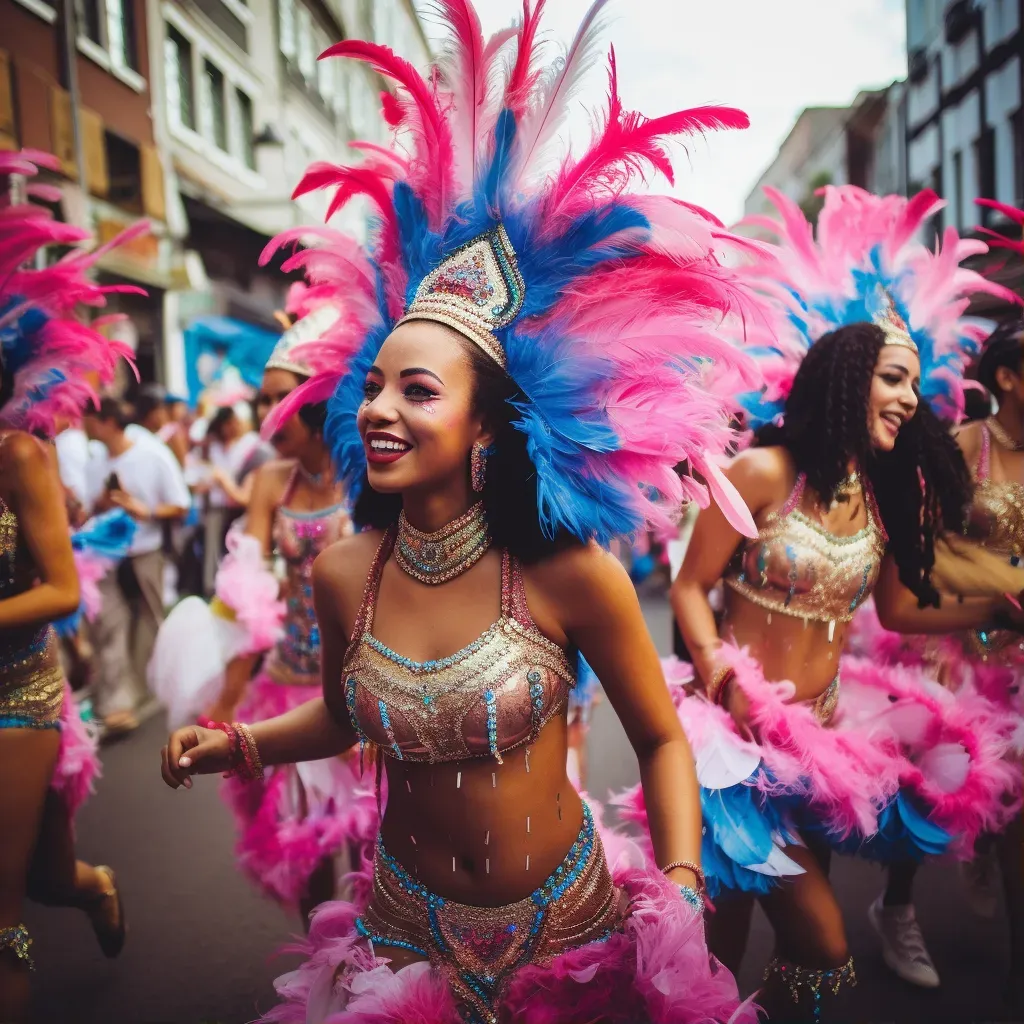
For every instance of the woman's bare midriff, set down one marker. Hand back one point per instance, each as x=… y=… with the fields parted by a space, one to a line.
x=483 y=833
x=788 y=647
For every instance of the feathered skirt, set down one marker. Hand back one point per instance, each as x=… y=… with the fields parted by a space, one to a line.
x=902 y=770
x=651 y=966
x=301 y=814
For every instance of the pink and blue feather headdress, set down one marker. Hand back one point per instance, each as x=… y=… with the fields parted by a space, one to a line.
x=53 y=357
x=864 y=264
x=603 y=305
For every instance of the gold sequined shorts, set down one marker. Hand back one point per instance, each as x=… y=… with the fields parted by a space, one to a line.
x=479 y=948
x=31 y=682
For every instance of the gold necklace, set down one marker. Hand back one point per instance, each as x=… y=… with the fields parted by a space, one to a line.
x=998 y=431
x=439 y=557
x=845 y=490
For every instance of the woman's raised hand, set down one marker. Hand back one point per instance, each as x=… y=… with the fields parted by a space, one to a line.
x=194 y=751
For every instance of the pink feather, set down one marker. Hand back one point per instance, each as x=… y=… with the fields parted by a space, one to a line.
x=316 y=389
x=628 y=143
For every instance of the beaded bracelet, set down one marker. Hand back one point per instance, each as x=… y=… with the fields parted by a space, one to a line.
x=692 y=898
x=689 y=865
x=251 y=768
x=716 y=688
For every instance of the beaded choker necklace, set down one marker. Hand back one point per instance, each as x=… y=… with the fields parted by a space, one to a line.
x=442 y=556
x=997 y=430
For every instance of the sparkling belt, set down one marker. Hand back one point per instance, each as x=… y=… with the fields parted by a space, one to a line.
x=31 y=684
x=479 y=948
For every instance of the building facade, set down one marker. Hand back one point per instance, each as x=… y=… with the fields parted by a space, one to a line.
x=201 y=116
x=965 y=126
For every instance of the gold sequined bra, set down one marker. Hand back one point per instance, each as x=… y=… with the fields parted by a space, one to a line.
x=996 y=519
x=496 y=694
x=796 y=567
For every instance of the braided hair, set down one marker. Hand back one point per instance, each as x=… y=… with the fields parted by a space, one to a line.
x=922 y=486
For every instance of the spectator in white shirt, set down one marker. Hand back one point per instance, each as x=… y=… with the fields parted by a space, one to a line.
x=139 y=474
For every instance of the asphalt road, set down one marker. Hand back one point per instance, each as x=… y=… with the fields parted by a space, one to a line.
x=201 y=942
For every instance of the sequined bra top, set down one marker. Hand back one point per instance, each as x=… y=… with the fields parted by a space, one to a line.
x=496 y=694
x=796 y=567
x=996 y=518
x=16 y=576
x=298 y=538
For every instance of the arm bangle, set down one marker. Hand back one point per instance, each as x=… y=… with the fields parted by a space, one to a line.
x=718 y=683
x=689 y=865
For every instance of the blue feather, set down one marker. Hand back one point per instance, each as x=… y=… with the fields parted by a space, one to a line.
x=489 y=192
x=109 y=535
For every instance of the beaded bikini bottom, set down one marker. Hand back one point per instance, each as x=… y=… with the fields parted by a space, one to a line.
x=479 y=948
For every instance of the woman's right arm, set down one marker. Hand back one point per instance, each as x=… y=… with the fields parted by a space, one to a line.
x=317 y=729
x=756 y=475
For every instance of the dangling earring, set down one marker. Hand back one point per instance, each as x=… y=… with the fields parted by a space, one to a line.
x=478 y=465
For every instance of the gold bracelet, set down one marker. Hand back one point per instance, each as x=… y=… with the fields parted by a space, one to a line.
x=717 y=685
x=253 y=764
x=689 y=865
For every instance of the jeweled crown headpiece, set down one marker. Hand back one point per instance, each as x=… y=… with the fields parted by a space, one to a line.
x=894 y=327
x=477 y=290
x=863 y=264
x=54 y=357
x=602 y=304
x=288 y=353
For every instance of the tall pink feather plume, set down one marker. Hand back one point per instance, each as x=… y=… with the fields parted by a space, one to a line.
x=540 y=124
x=523 y=77
x=628 y=143
x=999 y=240
x=52 y=384
x=464 y=72
x=422 y=116
x=391 y=109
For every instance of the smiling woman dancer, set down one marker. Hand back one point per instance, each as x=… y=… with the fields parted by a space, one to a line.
x=850 y=480
x=47 y=762
x=525 y=367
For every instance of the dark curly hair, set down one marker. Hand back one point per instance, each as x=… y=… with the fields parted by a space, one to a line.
x=1004 y=347
x=922 y=486
x=510 y=485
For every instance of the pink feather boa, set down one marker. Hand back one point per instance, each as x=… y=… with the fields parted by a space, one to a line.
x=249 y=588
x=280 y=844
x=78 y=764
x=91 y=569
x=848 y=772
x=656 y=969
x=955 y=746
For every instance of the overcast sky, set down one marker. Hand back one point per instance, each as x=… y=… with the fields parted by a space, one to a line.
x=771 y=58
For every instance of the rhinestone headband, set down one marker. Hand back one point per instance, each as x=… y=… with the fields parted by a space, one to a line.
x=476 y=290
x=310 y=328
x=894 y=327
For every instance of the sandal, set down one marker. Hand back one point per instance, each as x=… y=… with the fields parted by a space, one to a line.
x=111 y=939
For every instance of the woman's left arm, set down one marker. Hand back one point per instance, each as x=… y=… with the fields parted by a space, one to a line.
x=601 y=615
x=37 y=499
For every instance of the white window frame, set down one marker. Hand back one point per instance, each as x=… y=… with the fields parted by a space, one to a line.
x=40 y=9
x=99 y=53
x=291 y=53
x=235 y=77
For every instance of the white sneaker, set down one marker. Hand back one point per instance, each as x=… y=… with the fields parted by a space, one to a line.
x=903 y=948
x=981 y=883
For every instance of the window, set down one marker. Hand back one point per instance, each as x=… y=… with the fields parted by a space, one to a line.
x=307 y=59
x=109 y=25
x=179 y=80
x=286 y=27
x=245 y=129
x=118 y=38
x=214 y=113
x=957 y=189
x=324 y=71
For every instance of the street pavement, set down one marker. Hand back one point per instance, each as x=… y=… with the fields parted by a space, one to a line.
x=201 y=940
